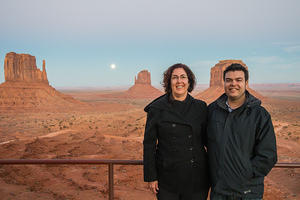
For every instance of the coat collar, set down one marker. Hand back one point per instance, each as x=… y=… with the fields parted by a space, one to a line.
x=250 y=102
x=164 y=103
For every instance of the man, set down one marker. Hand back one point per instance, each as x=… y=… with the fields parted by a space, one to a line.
x=241 y=140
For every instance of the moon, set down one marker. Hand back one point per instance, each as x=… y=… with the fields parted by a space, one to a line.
x=113 y=66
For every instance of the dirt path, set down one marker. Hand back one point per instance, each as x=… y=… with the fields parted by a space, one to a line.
x=138 y=138
x=49 y=135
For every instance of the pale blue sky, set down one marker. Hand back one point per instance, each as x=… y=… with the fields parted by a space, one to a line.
x=80 y=39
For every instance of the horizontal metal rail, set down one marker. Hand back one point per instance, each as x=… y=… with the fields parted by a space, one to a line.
x=110 y=164
x=287 y=165
x=98 y=162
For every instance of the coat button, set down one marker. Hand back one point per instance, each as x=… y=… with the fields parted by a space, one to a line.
x=192 y=161
x=190 y=136
x=173 y=125
x=191 y=148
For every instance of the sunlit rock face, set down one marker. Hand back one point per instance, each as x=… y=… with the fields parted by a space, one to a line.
x=22 y=67
x=143 y=77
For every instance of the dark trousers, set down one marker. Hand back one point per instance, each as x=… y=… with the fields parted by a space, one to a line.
x=217 y=196
x=166 y=195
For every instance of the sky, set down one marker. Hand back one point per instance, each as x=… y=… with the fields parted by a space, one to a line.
x=80 y=40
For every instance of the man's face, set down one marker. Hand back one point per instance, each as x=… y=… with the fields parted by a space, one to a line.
x=235 y=84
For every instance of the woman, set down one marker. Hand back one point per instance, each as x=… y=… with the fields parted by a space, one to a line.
x=175 y=160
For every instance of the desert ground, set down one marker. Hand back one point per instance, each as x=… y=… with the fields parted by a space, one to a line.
x=112 y=128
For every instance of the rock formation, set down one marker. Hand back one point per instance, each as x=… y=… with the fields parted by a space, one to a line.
x=27 y=87
x=143 y=77
x=22 y=68
x=216 y=85
x=142 y=87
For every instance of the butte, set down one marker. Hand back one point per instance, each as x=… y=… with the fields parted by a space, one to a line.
x=27 y=87
x=142 y=87
x=216 y=85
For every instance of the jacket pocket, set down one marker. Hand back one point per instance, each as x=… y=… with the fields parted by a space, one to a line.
x=248 y=170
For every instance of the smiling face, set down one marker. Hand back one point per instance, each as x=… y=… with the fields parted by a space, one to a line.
x=179 y=84
x=235 y=85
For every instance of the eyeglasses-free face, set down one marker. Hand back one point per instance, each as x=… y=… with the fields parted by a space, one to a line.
x=235 y=85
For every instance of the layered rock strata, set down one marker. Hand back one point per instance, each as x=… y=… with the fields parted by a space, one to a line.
x=22 y=68
x=143 y=77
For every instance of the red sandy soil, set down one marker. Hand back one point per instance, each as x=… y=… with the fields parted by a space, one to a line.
x=111 y=129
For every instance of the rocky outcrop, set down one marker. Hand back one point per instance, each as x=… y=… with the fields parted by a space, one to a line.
x=142 y=87
x=143 y=77
x=22 y=68
x=216 y=85
x=27 y=87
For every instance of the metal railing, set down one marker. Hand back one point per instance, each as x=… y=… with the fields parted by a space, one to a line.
x=110 y=164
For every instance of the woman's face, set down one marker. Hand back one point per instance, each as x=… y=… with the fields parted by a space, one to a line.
x=179 y=84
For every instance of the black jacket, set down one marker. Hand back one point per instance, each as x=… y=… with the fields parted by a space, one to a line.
x=241 y=147
x=174 y=152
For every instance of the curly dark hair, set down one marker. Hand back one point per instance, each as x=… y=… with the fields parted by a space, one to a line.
x=168 y=73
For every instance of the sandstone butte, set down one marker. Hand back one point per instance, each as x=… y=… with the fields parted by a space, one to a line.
x=142 y=87
x=216 y=85
x=26 y=86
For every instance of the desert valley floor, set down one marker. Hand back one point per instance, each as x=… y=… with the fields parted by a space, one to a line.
x=112 y=128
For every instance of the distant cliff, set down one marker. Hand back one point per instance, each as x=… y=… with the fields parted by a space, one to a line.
x=22 y=67
x=142 y=87
x=143 y=77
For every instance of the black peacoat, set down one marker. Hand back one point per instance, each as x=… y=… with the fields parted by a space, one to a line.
x=174 y=152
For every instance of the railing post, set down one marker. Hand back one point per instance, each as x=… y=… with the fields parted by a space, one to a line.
x=111 y=181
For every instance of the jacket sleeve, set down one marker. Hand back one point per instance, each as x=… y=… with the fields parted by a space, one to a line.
x=265 y=149
x=150 y=141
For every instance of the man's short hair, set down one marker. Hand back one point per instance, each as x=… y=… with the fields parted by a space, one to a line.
x=236 y=67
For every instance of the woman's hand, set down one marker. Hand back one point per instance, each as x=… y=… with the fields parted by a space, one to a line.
x=153 y=186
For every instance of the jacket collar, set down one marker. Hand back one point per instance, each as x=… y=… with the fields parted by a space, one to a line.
x=250 y=101
x=165 y=103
